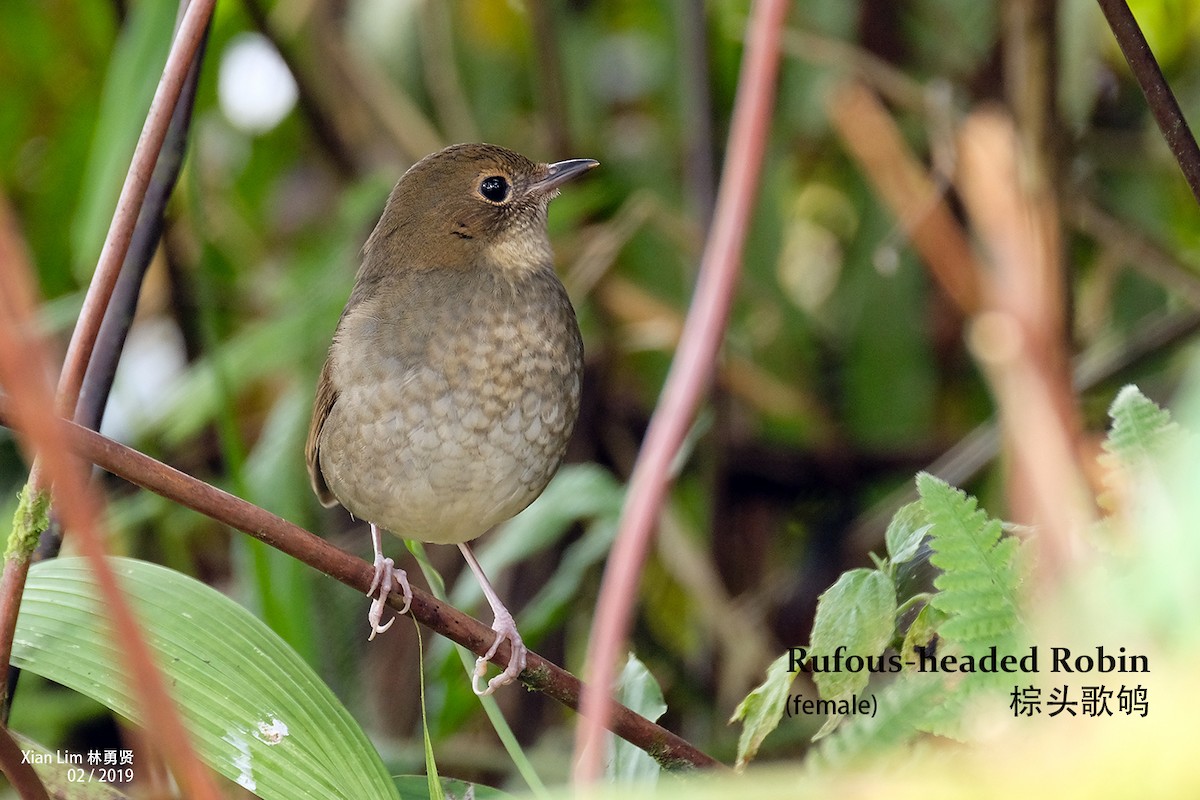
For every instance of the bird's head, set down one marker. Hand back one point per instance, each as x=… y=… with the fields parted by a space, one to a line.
x=473 y=205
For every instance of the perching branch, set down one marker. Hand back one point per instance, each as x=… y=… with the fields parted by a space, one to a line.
x=540 y=675
x=1154 y=86
x=23 y=366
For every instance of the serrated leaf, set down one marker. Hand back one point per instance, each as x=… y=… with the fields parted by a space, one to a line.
x=762 y=709
x=905 y=532
x=977 y=587
x=857 y=613
x=637 y=689
x=1140 y=428
x=256 y=713
x=901 y=707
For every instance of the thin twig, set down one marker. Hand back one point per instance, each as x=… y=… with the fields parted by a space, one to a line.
x=118 y=316
x=858 y=63
x=540 y=675
x=133 y=192
x=1154 y=86
x=366 y=89
x=1138 y=250
x=688 y=378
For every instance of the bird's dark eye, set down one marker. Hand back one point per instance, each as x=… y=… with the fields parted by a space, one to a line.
x=494 y=188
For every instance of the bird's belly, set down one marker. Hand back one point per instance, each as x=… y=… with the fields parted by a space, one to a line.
x=442 y=457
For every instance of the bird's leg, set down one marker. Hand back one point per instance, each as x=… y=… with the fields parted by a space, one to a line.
x=387 y=577
x=504 y=627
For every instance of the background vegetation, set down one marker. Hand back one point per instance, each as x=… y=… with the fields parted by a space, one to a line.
x=846 y=368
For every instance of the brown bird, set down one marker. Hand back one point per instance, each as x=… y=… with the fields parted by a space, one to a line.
x=453 y=381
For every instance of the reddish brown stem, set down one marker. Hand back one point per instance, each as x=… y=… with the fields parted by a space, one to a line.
x=19 y=772
x=129 y=204
x=22 y=374
x=690 y=374
x=540 y=674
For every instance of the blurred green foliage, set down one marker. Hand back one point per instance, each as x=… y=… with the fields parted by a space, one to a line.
x=844 y=370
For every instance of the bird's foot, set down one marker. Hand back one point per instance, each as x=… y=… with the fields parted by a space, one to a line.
x=505 y=628
x=387 y=577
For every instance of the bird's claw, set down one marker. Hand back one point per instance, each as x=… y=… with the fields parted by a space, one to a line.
x=387 y=577
x=505 y=629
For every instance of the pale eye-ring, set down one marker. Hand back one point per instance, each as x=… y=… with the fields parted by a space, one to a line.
x=494 y=188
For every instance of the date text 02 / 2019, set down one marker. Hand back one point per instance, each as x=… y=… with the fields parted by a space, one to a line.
x=1061 y=659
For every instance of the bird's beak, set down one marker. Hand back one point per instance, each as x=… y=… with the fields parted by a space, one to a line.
x=560 y=172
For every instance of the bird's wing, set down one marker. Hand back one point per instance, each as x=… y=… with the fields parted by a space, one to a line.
x=326 y=397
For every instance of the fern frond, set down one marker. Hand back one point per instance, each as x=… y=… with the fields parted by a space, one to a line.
x=902 y=708
x=977 y=587
x=1140 y=428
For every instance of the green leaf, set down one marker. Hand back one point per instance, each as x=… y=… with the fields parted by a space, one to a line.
x=922 y=630
x=637 y=689
x=762 y=709
x=857 y=613
x=433 y=782
x=977 y=591
x=905 y=532
x=256 y=713
x=902 y=706
x=978 y=585
x=1140 y=428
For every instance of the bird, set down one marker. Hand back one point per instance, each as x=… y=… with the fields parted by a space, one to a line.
x=453 y=381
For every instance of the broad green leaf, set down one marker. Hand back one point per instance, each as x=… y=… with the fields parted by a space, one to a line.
x=257 y=714
x=637 y=689
x=762 y=709
x=905 y=532
x=857 y=614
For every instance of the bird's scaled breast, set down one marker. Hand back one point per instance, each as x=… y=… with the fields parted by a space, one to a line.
x=447 y=438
